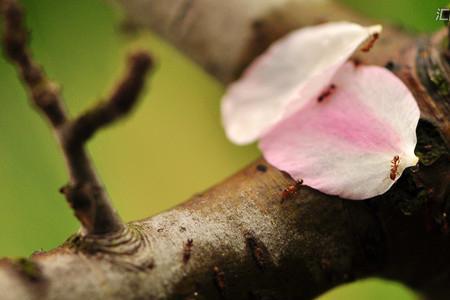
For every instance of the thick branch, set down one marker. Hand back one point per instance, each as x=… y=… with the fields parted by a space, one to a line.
x=84 y=193
x=239 y=240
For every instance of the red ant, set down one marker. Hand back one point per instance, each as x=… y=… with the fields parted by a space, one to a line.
x=394 y=167
x=370 y=44
x=187 y=250
x=327 y=92
x=291 y=190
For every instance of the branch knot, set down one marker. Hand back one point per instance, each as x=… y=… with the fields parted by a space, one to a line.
x=128 y=247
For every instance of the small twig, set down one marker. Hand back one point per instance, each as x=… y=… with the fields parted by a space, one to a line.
x=120 y=102
x=44 y=93
x=84 y=192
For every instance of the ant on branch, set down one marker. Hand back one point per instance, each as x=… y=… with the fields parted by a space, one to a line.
x=291 y=190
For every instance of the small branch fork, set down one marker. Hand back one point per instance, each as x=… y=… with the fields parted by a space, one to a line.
x=84 y=191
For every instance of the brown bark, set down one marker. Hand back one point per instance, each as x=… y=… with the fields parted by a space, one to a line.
x=238 y=240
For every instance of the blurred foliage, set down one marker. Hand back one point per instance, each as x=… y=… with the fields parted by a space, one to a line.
x=172 y=147
x=414 y=15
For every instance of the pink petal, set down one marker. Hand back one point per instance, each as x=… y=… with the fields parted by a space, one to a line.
x=344 y=144
x=303 y=63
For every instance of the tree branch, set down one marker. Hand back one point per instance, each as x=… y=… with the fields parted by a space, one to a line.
x=119 y=103
x=239 y=240
x=44 y=93
x=84 y=193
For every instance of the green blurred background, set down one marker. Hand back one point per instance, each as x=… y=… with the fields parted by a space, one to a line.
x=172 y=147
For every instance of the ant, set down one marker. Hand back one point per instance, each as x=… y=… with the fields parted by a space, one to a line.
x=187 y=250
x=291 y=190
x=371 y=42
x=394 y=167
x=326 y=93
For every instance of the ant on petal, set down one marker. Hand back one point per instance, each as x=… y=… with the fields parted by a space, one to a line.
x=394 y=167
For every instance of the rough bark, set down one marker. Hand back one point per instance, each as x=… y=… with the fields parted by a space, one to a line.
x=238 y=240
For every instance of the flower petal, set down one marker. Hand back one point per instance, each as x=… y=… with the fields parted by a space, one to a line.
x=302 y=63
x=346 y=143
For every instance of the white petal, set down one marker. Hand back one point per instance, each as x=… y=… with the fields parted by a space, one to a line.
x=344 y=145
x=302 y=63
